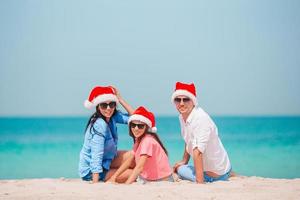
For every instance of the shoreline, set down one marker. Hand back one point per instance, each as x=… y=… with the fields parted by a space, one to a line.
x=236 y=188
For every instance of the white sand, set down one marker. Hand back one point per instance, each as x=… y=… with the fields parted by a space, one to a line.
x=237 y=188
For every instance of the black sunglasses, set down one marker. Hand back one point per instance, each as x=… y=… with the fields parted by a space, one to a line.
x=110 y=104
x=140 y=126
x=185 y=100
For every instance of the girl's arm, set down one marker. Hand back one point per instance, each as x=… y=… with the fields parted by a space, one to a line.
x=127 y=107
x=125 y=165
x=138 y=169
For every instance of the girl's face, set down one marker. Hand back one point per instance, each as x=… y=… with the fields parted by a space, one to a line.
x=107 y=108
x=138 y=128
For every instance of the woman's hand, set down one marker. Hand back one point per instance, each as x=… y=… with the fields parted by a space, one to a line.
x=127 y=107
x=95 y=178
x=116 y=92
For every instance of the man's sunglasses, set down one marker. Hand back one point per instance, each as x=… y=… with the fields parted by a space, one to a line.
x=110 y=104
x=140 y=126
x=185 y=100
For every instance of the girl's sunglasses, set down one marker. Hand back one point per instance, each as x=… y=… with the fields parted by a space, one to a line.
x=178 y=100
x=140 y=126
x=110 y=104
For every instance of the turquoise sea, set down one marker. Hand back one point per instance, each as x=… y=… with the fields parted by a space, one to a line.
x=49 y=147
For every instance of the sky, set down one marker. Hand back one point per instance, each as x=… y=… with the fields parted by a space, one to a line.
x=243 y=56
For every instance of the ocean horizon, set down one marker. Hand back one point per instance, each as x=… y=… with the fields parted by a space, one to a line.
x=48 y=147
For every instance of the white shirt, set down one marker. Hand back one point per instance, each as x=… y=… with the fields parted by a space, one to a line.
x=199 y=131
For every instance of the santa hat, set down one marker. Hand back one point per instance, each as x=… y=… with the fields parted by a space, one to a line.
x=143 y=115
x=188 y=90
x=99 y=95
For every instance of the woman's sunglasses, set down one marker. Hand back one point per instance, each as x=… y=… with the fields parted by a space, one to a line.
x=178 y=100
x=140 y=126
x=110 y=104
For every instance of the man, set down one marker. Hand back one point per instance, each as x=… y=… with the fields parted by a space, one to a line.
x=202 y=143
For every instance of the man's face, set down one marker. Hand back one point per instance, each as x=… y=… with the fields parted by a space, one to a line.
x=184 y=104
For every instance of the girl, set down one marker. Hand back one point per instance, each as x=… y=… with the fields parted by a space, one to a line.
x=149 y=153
x=99 y=152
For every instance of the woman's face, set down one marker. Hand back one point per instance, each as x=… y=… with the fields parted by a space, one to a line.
x=107 y=108
x=138 y=128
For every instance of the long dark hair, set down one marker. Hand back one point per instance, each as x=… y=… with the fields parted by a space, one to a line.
x=95 y=116
x=147 y=133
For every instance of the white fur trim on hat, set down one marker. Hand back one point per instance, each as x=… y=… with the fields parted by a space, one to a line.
x=100 y=99
x=140 y=118
x=184 y=93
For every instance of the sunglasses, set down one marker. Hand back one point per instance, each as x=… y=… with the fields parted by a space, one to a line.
x=178 y=100
x=140 y=126
x=110 y=104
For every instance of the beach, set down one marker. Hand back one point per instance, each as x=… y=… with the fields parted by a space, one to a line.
x=235 y=188
x=47 y=148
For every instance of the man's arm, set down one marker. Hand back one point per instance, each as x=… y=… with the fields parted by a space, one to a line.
x=185 y=160
x=198 y=164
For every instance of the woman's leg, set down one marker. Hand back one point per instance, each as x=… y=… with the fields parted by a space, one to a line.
x=122 y=178
x=121 y=157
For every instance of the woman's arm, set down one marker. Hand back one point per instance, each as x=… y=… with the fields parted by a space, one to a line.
x=127 y=107
x=97 y=149
x=138 y=169
x=122 y=168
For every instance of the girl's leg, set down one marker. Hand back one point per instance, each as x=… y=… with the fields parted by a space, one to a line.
x=187 y=172
x=122 y=178
x=121 y=157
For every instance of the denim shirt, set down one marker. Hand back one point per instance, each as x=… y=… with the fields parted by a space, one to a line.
x=100 y=145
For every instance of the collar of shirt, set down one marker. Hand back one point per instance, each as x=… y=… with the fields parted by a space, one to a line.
x=190 y=117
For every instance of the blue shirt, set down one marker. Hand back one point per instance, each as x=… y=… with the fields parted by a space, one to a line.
x=100 y=145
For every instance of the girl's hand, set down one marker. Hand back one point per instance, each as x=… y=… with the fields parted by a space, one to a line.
x=112 y=180
x=127 y=183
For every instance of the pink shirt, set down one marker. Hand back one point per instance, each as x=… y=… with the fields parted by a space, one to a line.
x=157 y=165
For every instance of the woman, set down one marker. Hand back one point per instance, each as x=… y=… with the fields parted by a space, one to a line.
x=99 y=153
x=149 y=153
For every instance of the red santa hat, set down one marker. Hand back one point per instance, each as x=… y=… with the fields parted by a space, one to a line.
x=143 y=115
x=99 y=95
x=188 y=90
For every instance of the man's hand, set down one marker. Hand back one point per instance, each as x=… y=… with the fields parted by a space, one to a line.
x=178 y=164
